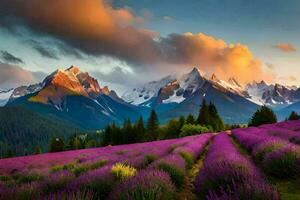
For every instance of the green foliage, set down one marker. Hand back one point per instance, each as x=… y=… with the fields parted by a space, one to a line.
x=149 y=158
x=190 y=129
x=122 y=171
x=294 y=116
x=37 y=150
x=21 y=127
x=152 y=125
x=57 y=145
x=214 y=119
x=263 y=115
x=284 y=166
x=190 y=119
x=188 y=158
x=140 y=129
x=26 y=178
x=177 y=175
x=208 y=116
x=173 y=128
x=209 y=120
x=203 y=118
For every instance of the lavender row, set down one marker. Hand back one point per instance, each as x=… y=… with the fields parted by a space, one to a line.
x=278 y=157
x=123 y=164
x=284 y=133
x=181 y=159
x=227 y=174
x=44 y=162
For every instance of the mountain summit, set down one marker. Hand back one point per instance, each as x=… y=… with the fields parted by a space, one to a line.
x=178 y=95
x=62 y=83
x=75 y=96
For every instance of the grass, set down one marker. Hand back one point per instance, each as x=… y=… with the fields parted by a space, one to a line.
x=187 y=191
x=289 y=189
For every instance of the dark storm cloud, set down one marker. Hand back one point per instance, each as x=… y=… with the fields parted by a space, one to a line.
x=8 y=57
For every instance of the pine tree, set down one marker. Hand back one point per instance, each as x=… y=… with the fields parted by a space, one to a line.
x=173 y=129
x=181 y=121
x=263 y=115
x=203 y=118
x=107 y=135
x=140 y=129
x=294 y=116
x=127 y=132
x=190 y=119
x=152 y=125
x=214 y=119
x=116 y=135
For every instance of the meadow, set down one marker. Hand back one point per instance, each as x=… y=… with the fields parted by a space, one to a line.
x=254 y=163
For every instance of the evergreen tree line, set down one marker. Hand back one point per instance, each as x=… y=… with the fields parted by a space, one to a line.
x=76 y=141
x=208 y=120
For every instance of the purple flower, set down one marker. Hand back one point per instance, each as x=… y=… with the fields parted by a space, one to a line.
x=148 y=184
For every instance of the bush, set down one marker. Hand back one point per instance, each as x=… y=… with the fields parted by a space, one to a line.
x=147 y=185
x=191 y=129
x=122 y=171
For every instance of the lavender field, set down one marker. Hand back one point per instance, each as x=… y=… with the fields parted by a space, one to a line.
x=251 y=163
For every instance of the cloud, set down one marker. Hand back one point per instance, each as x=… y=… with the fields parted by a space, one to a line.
x=53 y=48
x=167 y=18
x=12 y=76
x=118 y=76
x=42 y=50
x=293 y=78
x=286 y=47
x=8 y=57
x=270 y=66
x=96 y=28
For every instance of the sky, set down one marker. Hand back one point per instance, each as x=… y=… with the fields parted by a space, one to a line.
x=124 y=43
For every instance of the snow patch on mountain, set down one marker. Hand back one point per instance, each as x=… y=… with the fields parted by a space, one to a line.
x=4 y=96
x=142 y=94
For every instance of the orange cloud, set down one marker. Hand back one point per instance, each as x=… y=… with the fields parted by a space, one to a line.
x=97 y=28
x=286 y=47
x=215 y=56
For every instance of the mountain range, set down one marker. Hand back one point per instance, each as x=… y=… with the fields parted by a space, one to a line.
x=77 y=98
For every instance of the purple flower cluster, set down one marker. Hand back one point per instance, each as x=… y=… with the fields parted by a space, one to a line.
x=226 y=171
x=196 y=146
x=277 y=156
x=284 y=133
x=147 y=184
